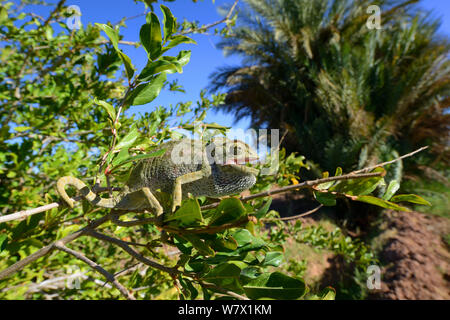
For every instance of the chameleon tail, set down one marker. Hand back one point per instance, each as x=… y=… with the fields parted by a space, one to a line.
x=85 y=192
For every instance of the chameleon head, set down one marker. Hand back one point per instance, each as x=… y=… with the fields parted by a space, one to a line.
x=232 y=156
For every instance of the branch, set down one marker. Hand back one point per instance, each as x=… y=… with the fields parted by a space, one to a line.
x=132 y=252
x=26 y=213
x=208 y=230
x=129 y=43
x=49 y=248
x=391 y=161
x=56 y=283
x=208 y=26
x=296 y=216
x=97 y=267
x=115 y=220
x=132 y=17
x=21 y=215
x=303 y=185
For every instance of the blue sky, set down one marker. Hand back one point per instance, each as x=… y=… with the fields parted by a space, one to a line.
x=205 y=59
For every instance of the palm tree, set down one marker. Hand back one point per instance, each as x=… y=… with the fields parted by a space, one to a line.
x=348 y=95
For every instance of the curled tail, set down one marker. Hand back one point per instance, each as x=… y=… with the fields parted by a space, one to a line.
x=85 y=192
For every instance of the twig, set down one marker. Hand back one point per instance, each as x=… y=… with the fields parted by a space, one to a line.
x=391 y=161
x=132 y=17
x=49 y=248
x=114 y=131
x=26 y=213
x=58 y=7
x=220 y=289
x=129 y=43
x=56 y=283
x=21 y=215
x=296 y=216
x=208 y=26
x=134 y=253
x=97 y=267
x=133 y=223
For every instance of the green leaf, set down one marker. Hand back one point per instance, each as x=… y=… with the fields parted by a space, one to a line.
x=224 y=244
x=391 y=190
x=109 y=108
x=225 y=275
x=3 y=14
x=187 y=284
x=3 y=241
x=176 y=40
x=264 y=209
x=66 y=231
x=169 y=21
x=246 y=241
x=188 y=214
x=183 y=57
x=410 y=198
x=179 y=61
x=273 y=259
x=275 y=286
x=123 y=154
x=128 y=139
x=199 y=244
x=183 y=245
x=150 y=36
x=326 y=185
x=328 y=294
x=243 y=237
x=325 y=198
x=21 y=128
x=149 y=3
x=129 y=68
x=155 y=67
x=250 y=273
x=147 y=92
x=113 y=36
x=379 y=202
x=229 y=210
x=229 y=243
x=358 y=187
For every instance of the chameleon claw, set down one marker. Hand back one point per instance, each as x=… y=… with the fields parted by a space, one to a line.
x=176 y=204
x=70 y=202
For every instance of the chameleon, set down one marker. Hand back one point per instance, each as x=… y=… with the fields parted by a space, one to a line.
x=214 y=170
